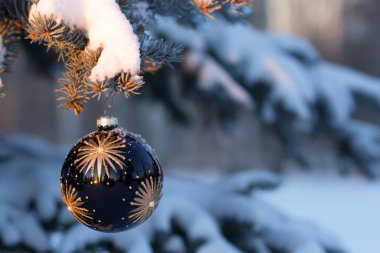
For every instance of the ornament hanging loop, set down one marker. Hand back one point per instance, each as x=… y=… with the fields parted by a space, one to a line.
x=108 y=103
x=106 y=123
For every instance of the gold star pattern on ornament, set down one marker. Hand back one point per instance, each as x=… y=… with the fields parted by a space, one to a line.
x=75 y=204
x=101 y=153
x=148 y=196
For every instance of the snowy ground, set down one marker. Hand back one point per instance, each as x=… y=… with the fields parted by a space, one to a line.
x=348 y=207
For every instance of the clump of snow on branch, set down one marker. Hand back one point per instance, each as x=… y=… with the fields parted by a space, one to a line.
x=106 y=27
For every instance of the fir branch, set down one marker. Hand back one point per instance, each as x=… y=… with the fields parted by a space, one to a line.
x=189 y=12
x=129 y=84
x=182 y=11
x=72 y=93
x=17 y=10
x=96 y=90
x=10 y=33
x=70 y=43
x=9 y=36
x=207 y=6
x=158 y=52
x=45 y=30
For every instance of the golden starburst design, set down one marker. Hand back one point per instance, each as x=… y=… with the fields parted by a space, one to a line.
x=75 y=204
x=100 y=153
x=148 y=196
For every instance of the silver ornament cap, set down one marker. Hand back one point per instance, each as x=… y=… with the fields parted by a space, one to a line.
x=107 y=122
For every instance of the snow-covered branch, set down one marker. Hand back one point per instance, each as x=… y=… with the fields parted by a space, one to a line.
x=292 y=88
x=192 y=215
x=110 y=31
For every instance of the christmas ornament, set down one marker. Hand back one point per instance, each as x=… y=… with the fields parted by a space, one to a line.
x=111 y=179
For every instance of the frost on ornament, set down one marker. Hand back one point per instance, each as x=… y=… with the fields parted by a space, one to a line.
x=106 y=27
x=111 y=180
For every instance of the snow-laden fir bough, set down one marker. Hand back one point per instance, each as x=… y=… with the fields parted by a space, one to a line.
x=106 y=46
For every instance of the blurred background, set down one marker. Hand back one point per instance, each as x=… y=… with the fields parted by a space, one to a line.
x=343 y=32
x=327 y=178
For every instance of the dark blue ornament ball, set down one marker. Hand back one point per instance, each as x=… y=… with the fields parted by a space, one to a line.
x=111 y=180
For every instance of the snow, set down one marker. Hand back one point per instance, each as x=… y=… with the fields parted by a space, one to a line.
x=259 y=58
x=21 y=227
x=255 y=56
x=348 y=207
x=289 y=65
x=364 y=137
x=197 y=207
x=331 y=79
x=212 y=75
x=175 y=244
x=106 y=27
x=304 y=92
x=79 y=236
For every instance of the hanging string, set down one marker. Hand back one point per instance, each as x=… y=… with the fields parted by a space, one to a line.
x=108 y=103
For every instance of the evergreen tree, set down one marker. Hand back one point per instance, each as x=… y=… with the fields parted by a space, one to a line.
x=222 y=67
